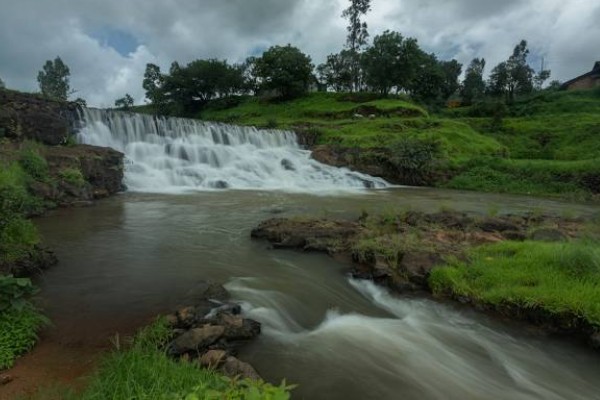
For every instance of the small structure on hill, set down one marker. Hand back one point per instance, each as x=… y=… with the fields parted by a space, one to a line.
x=585 y=81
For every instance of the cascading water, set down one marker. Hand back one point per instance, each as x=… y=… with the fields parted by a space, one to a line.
x=177 y=154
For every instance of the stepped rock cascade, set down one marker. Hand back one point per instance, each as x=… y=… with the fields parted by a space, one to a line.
x=171 y=155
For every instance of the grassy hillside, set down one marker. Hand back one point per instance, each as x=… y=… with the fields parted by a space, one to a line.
x=546 y=144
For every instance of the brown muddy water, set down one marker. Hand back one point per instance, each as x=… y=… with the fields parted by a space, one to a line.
x=136 y=255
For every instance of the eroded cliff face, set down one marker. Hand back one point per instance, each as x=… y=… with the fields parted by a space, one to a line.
x=39 y=157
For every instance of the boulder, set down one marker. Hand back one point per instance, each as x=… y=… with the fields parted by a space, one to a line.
x=418 y=265
x=235 y=368
x=237 y=327
x=497 y=225
x=213 y=358
x=196 y=339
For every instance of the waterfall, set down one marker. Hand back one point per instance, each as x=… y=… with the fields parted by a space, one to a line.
x=177 y=155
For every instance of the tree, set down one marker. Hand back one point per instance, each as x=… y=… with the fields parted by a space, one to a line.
x=125 y=102
x=542 y=76
x=286 y=70
x=473 y=87
x=514 y=76
x=357 y=35
x=2 y=86
x=152 y=84
x=336 y=72
x=392 y=62
x=427 y=85
x=451 y=70
x=54 y=79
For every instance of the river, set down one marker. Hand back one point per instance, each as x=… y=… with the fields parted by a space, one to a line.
x=137 y=255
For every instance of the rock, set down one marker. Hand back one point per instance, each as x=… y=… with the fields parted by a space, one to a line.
x=213 y=358
x=308 y=234
x=497 y=225
x=237 y=327
x=548 y=235
x=287 y=165
x=196 y=339
x=418 y=265
x=514 y=235
x=5 y=379
x=208 y=290
x=449 y=219
x=219 y=185
x=38 y=260
x=186 y=317
x=233 y=368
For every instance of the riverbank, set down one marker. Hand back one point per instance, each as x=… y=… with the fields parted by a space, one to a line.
x=536 y=268
x=41 y=168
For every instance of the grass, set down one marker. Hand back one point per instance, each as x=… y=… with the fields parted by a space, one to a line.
x=559 y=278
x=571 y=179
x=143 y=372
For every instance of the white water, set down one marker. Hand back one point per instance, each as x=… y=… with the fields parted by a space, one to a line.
x=422 y=349
x=170 y=155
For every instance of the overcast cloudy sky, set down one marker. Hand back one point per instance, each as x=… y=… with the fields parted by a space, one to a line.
x=107 y=43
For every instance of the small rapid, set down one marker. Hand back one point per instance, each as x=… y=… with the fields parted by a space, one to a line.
x=174 y=155
x=425 y=348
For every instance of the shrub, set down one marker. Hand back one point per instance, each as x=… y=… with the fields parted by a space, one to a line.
x=19 y=319
x=416 y=158
x=34 y=164
x=72 y=176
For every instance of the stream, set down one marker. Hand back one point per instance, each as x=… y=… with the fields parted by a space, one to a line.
x=137 y=255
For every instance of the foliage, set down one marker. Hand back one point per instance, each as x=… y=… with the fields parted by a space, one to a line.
x=72 y=176
x=473 y=87
x=14 y=292
x=560 y=278
x=286 y=70
x=18 y=236
x=416 y=158
x=54 y=79
x=18 y=329
x=514 y=76
x=144 y=372
x=336 y=72
x=188 y=88
x=33 y=163
x=125 y=102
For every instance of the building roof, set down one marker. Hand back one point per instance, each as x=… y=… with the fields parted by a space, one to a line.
x=595 y=72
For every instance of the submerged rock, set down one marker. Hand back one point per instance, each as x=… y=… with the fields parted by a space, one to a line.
x=235 y=368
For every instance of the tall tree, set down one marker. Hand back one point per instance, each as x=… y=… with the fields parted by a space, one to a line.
x=473 y=87
x=2 y=86
x=357 y=35
x=427 y=85
x=514 y=76
x=286 y=70
x=451 y=70
x=54 y=79
x=152 y=84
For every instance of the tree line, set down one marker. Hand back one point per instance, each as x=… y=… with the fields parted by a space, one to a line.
x=390 y=64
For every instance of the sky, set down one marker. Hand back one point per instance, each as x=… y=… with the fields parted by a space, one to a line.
x=107 y=43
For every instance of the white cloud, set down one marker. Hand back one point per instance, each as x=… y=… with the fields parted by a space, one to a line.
x=32 y=31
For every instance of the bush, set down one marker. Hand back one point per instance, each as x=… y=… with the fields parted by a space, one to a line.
x=72 y=176
x=34 y=164
x=416 y=158
x=19 y=319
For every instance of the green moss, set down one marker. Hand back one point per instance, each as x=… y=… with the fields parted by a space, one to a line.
x=72 y=176
x=560 y=278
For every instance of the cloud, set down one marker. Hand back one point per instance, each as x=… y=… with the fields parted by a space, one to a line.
x=107 y=43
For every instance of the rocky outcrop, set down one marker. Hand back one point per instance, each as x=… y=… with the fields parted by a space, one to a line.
x=38 y=260
x=385 y=250
x=211 y=331
x=33 y=117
